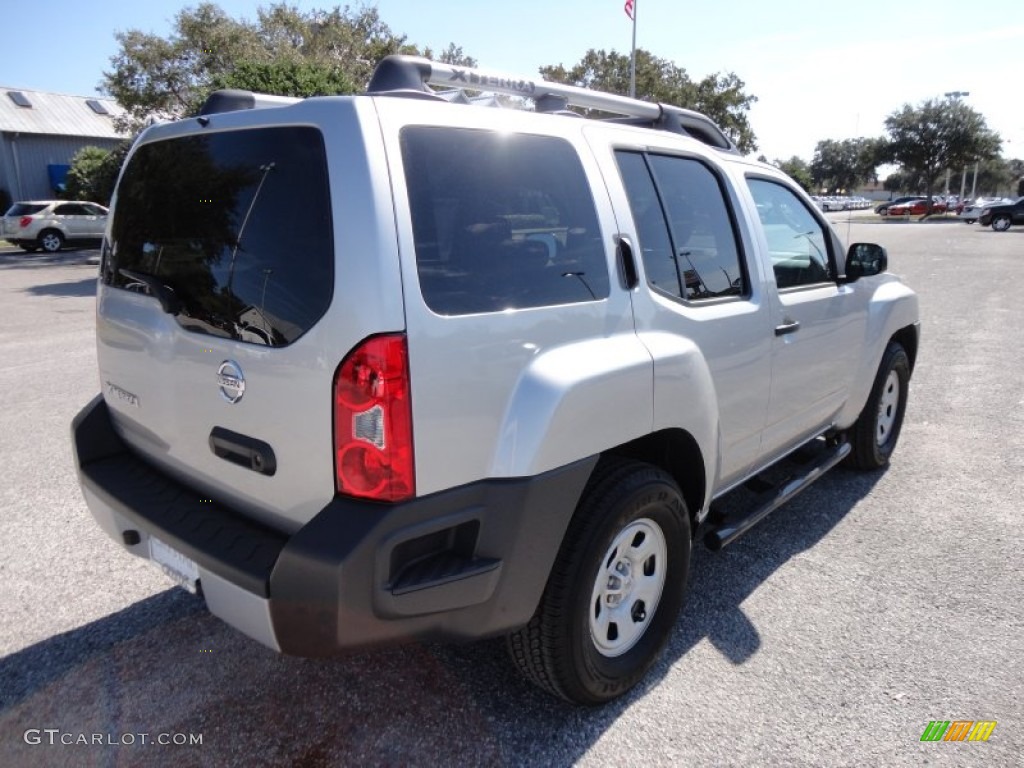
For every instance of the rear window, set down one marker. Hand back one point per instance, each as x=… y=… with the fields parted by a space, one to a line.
x=234 y=226
x=25 y=209
x=501 y=221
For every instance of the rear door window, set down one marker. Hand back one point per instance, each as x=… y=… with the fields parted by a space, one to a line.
x=687 y=237
x=71 y=209
x=501 y=221
x=234 y=227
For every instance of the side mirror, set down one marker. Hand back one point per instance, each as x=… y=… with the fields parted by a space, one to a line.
x=865 y=260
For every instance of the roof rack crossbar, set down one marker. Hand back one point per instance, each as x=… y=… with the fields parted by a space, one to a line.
x=404 y=74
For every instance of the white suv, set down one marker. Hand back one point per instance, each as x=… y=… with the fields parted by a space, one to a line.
x=383 y=367
x=50 y=224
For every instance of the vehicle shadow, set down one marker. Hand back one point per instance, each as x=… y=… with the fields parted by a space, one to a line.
x=86 y=287
x=68 y=257
x=164 y=665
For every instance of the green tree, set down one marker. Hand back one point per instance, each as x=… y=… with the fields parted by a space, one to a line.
x=80 y=181
x=718 y=96
x=291 y=78
x=798 y=170
x=94 y=173
x=453 y=55
x=286 y=51
x=939 y=134
x=844 y=164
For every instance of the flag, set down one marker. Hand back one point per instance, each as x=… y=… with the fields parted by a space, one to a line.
x=628 y=8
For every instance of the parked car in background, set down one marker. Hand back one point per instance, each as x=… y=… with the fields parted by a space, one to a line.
x=830 y=203
x=916 y=208
x=51 y=224
x=883 y=209
x=972 y=209
x=1001 y=216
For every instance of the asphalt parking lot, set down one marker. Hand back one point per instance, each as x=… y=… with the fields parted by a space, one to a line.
x=830 y=635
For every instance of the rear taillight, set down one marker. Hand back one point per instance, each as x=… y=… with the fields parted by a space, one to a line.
x=24 y=221
x=373 y=453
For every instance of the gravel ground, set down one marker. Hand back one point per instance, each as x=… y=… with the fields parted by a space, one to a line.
x=830 y=635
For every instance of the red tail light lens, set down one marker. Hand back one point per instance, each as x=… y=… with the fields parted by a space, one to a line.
x=24 y=221
x=373 y=452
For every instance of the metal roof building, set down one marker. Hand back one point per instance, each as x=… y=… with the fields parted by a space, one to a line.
x=39 y=134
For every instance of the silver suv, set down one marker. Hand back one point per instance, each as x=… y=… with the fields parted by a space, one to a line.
x=384 y=367
x=50 y=224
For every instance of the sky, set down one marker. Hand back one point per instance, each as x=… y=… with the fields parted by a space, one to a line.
x=829 y=70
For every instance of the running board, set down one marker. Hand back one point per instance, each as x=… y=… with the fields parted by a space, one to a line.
x=730 y=529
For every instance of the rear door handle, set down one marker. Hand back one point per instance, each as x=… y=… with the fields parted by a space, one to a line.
x=790 y=326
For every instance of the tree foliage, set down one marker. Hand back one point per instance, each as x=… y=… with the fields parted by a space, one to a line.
x=285 y=51
x=844 y=165
x=720 y=97
x=798 y=170
x=939 y=134
x=94 y=172
x=288 y=78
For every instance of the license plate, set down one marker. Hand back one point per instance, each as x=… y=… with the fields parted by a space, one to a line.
x=184 y=571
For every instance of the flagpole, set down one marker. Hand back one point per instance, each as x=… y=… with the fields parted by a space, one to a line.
x=632 y=56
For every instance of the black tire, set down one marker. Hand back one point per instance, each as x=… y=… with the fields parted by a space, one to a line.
x=50 y=240
x=1001 y=222
x=624 y=508
x=874 y=435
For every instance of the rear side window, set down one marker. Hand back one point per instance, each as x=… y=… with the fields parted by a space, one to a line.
x=501 y=221
x=234 y=227
x=687 y=239
x=24 y=209
x=72 y=209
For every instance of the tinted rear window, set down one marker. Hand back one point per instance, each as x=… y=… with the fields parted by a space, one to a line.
x=501 y=221
x=24 y=209
x=236 y=225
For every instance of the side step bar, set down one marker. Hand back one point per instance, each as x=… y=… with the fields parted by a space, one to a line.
x=730 y=529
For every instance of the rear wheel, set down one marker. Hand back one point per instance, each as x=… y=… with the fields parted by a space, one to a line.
x=616 y=588
x=51 y=241
x=873 y=437
x=1001 y=222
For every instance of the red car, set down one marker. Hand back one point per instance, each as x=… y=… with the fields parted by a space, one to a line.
x=916 y=208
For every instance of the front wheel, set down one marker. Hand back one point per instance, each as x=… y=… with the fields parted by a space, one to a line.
x=873 y=437
x=616 y=588
x=1001 y=223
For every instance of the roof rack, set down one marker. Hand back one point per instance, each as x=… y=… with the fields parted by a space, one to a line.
x=401 y=75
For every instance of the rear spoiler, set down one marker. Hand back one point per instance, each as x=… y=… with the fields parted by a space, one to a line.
x=231 y=100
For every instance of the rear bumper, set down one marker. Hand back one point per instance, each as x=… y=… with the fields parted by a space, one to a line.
x=461 y=564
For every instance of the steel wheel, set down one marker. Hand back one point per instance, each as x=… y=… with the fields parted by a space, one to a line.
x=628 y=587
x=888 y=407
x=874 y=435
x=615 y=589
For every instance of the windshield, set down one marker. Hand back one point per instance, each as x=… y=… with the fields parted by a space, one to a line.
x=230 y=231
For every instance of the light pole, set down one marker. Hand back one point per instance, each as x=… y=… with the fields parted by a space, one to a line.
x=956 y=96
